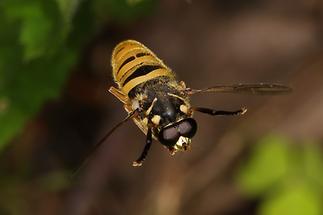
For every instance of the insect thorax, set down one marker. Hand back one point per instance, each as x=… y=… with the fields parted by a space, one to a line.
x=161 y=101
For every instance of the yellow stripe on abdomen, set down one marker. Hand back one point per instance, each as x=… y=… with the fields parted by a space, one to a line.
x=141 y=79
x=133 y=64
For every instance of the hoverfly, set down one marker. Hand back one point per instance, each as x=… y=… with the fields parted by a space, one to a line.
x=158 y=103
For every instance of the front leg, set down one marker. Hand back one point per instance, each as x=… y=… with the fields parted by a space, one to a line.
x=145 y=151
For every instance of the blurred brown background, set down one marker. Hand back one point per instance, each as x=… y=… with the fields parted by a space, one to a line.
x=205 y=43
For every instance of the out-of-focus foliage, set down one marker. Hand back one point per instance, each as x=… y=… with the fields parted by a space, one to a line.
x=206 y=43
x=14 y=188
x=39 y=43
x=121 y=11
x=288 y=177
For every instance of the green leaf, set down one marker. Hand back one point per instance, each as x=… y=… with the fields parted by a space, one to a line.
x=68 y=9
x=11 y=121
x=4 y=104
x=313 y=164
x=133 y=2
x=296 y=199
x=269 y=163
x=122 y=10
x=35 y=60
x=35 y=31
x=39 y=43
x=35 y=26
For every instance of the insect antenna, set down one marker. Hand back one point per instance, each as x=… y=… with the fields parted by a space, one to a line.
x=102 y=140
x=144 y=153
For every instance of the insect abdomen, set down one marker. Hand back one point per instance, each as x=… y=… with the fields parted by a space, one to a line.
x=134 y=64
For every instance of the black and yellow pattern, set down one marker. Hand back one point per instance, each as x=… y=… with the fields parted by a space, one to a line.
x=134 y=64
x=158 y=103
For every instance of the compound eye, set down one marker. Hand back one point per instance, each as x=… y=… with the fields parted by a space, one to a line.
x=169 y=136
x=187 y=127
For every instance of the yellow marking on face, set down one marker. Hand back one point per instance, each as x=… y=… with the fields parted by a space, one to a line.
x=156 y=119
x=182 y=144
x=183 y=108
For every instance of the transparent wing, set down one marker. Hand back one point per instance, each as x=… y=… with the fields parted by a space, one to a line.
x=258 y=89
